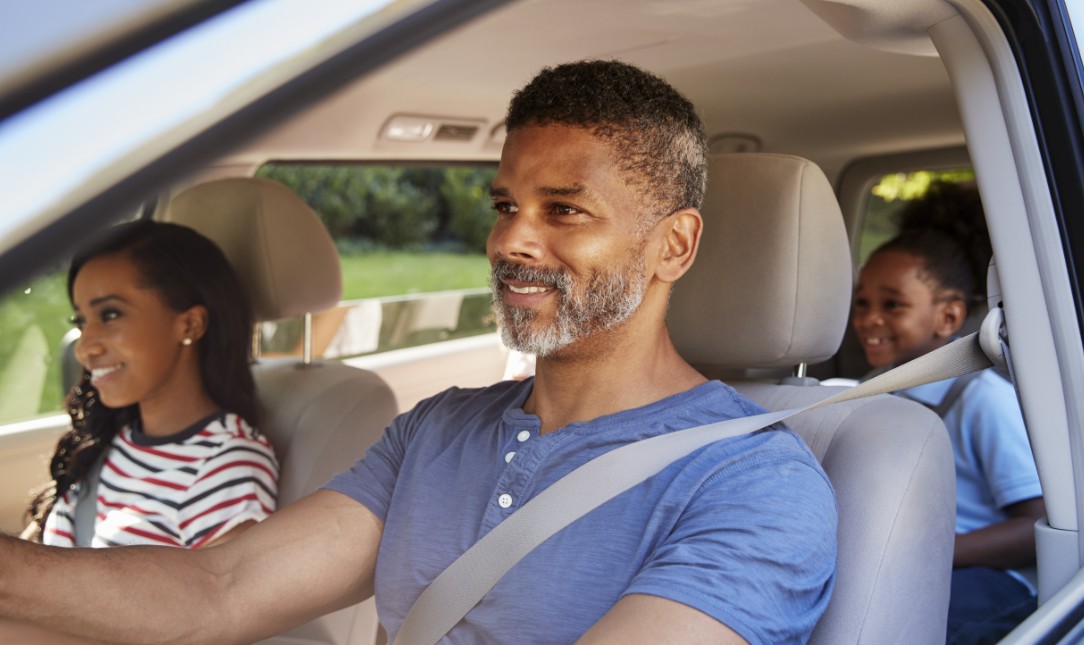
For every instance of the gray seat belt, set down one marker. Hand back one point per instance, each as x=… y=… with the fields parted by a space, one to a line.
x=951 y=396
x=467 y=580
x=86 y=504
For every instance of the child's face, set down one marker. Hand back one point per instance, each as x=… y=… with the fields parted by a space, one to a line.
x=897 y=313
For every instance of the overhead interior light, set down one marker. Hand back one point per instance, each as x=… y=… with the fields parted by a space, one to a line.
x=734 y=142
x=456 y=132
x=407 y=128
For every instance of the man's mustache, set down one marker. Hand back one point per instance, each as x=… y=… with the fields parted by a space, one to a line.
x=504 y=270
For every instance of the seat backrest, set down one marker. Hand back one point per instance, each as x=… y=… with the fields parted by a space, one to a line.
x=770 y=289
x=320 y=417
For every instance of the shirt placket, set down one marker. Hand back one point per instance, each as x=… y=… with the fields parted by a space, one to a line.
x=521 y=459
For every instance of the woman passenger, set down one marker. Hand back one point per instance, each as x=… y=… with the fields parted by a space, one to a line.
x=162 y=416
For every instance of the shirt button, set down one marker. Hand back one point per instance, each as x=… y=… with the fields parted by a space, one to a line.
x=523 y=435
x=508 y=457
x=505 y=500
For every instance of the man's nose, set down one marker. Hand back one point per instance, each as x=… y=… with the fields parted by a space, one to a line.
x=516 y=237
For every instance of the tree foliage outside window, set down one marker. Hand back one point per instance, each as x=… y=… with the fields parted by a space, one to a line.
x=395 y=207
x=466 y=193
x=888 y=197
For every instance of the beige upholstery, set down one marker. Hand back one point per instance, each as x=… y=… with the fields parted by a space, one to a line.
x=277 y=245
x=321 y=417
x=771 y=287
x=755 y=297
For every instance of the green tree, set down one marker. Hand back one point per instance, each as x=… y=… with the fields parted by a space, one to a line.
x=394 y=206
x=466 y=193
x=912 y=185
x=401 y=214
x=336 y=192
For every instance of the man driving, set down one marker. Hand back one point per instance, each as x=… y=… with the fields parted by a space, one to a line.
x=597 y=196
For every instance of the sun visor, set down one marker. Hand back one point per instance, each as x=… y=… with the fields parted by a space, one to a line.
x=902 y=28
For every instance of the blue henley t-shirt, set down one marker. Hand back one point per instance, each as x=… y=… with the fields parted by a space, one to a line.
x=743 y=530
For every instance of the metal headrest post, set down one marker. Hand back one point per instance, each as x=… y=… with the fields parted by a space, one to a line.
x=257 y=341
x=306 y=348
x=800 y=377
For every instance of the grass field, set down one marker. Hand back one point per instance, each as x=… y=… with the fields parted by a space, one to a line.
x=391 y=273
x=33 y=321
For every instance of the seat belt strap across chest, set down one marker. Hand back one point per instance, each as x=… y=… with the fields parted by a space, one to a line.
x=86 y=504
x=470 y=577
x=951 y=395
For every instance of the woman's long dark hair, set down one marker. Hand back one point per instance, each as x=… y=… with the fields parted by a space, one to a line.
x=186 y=269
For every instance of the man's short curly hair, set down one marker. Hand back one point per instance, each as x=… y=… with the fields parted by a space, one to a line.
x=654 y=129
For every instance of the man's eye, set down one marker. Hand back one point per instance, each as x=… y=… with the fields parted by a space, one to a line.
x=109 y=314
x=508 y=208
x=564 y=209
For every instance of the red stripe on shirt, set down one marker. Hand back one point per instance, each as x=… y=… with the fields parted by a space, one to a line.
x=208 y=537
x=221 y=505
x=63 y=534
x=157 y=453
x=112 y=466
x=162 y=482
x=141 y=511
x=235 y=464
x=157 y=537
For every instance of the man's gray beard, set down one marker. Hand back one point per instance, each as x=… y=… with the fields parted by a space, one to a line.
x=608 y=300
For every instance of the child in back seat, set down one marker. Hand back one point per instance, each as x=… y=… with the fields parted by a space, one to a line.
x=912 y=297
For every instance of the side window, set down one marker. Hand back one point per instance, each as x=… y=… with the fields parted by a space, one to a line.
x=411 y=240
x=33 y=322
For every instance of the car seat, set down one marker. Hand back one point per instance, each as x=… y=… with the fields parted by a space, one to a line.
x=321 y=416
x=770 y=290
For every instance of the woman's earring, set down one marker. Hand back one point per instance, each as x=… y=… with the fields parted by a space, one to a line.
x=186 y=342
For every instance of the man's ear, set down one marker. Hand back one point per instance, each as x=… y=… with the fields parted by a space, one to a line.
x=194 y=322
x=680 y=240
x=950 y=317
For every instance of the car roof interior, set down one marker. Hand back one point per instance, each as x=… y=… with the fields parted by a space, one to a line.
x=769 y=75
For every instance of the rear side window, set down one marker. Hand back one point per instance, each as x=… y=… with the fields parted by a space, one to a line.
x=411 y=241
x=888 y=196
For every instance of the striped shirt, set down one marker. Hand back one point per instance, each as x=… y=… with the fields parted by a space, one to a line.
x=183 y=490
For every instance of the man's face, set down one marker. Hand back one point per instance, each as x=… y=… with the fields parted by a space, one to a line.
x=567 y=258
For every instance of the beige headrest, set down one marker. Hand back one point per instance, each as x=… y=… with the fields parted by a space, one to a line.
x=771 y=285
x=276 y=244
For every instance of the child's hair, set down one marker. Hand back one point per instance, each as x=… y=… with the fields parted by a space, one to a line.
x=186 y=269
x=946 y=229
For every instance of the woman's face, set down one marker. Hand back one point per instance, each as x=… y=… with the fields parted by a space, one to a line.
x=132 y=343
